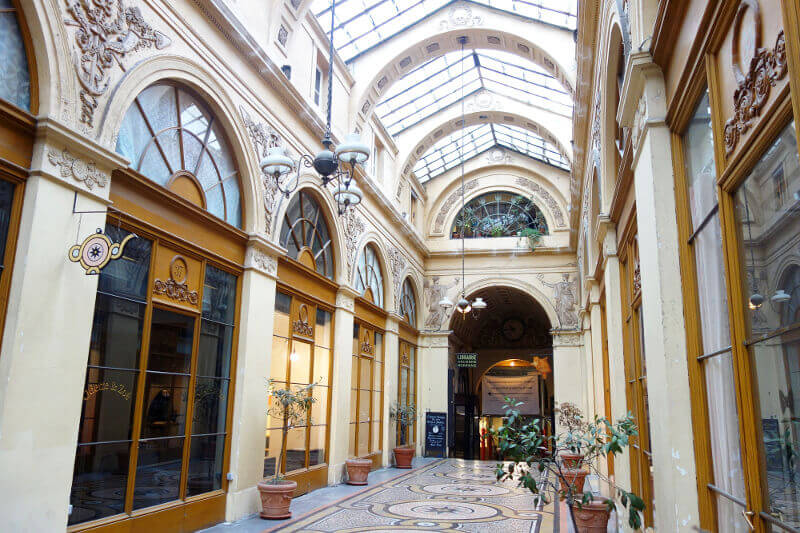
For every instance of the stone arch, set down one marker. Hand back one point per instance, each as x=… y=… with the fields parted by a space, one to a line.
x=372 y=238
x=310 y=185
x=529 y=290
x=606 y=107
x=197 y=78
x=436 y=45
x=413 y=277
x=479 y=117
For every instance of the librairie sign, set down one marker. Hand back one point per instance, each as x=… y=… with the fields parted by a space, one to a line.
x=466 y=360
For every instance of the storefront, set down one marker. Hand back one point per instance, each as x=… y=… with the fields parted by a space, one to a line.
x=407 y=362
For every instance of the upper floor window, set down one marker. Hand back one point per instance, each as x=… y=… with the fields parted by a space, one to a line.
x=171 y=137
x=408 y=303
x=369 y=278
x=498 y=214
x=305 y=234
x=15 y=80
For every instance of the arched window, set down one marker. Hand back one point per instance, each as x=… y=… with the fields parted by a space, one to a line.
x=15 y=79
x=171 y=137
x=369 y=279
x=408 y=303
x=498 y=214
x=305 y=234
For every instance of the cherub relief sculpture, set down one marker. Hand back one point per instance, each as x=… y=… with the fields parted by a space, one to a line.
x=434 y=292
x=564 y=295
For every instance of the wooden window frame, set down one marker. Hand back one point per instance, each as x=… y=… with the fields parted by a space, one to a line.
x=360 y=355
x=411 y=388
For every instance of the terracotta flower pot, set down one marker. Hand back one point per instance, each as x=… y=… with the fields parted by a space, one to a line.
x=357 y=471
x=403 y=457
x=276 y=498
x=571 y=460
x=574 y=477
x=591 y=517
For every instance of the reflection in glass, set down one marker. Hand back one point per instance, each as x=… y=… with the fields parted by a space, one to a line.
x=15 y=80
x=6 y=200
x=210 y=406
x=99 y=482
x=158 y=472
x=205 y=464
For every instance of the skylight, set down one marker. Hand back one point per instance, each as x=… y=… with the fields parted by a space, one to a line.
x=445 y=154
x=437 y=84
x=361 y=24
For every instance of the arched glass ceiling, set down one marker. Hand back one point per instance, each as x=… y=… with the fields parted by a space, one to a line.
x=437 y=84
x=361 y=24
x=445 y=154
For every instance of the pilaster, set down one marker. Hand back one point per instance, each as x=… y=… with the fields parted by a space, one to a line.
x=569 y=369
x=390 y=376
x=433 y=361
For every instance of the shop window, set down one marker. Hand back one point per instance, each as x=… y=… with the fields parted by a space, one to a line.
x=408 y=303
x=498 y=214
x=407 y=390
x=767 y=236
x=305 y=234
x=15 y=80
x=301 y=355
x=366 y=399
x=369 y=278
x=172 y=138
x=154 y=420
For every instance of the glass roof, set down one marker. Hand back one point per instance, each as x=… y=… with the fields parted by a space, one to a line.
x=437 y=84
x=445 y=154
x=361 y=24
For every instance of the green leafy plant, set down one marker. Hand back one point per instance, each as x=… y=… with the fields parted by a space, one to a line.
x=404 y=415
x=291 y=406
x=532 y=235
x=534 y=463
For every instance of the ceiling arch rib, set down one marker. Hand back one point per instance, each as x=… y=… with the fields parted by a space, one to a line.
x=360 y=25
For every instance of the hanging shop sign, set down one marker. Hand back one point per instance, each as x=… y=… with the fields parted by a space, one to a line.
x=522 y=386
x=97 y=250
x=466 y=360
x=435 y=434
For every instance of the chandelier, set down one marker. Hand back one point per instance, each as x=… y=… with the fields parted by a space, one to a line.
x=335 y=165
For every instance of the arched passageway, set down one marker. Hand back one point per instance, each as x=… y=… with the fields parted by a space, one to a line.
x=514 y=350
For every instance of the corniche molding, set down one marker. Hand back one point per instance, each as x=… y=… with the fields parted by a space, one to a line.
x=438 y=224
x=546 y=197
x=263 y=138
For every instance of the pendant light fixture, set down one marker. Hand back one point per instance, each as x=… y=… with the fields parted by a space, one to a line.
x=334 y=164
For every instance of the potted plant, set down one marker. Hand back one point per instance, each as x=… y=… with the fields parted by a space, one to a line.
x=571 y=419
x=532 y=235
x=404 y=415
x=547 y=476
x=290 y=406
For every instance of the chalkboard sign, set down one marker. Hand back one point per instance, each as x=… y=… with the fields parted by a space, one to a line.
x=435 y=434
x=466 y=360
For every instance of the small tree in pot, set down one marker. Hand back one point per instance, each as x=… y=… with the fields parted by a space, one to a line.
x=291 y=407
x=404 y=415
x=548 y=476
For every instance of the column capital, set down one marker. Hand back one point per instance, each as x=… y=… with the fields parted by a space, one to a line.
x=262 y=255
x=437 y=339
x=393 y=323
x=567 y=337
x=346 y=298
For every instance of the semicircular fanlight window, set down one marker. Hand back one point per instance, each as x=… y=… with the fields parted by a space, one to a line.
x=408 y=303
x=498 y=214
x=305 y=234
x=170 y=137
x=369 y=278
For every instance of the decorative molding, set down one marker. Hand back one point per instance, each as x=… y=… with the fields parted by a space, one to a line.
x=401 y=185
x=434 y=292
x=344 y=301
x=639 y=122
x=107 y=32
x=766 y=68
x=460 y=15
x=301 y=326
x=175 y=291
x=546 y=197
x=258 y=260
x=565 y=298
x=84 y=171
x=567 y=338
x=498 y=156
x=263 y=138
x=353 y=227
x=438 y=225
x=397 y=264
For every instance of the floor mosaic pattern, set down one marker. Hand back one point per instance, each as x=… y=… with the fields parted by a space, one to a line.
x=448 y=495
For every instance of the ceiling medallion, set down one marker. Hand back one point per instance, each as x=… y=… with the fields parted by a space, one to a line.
x=96 y=251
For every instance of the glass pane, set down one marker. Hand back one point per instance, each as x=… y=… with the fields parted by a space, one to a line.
x=6 y=199
x=272 y=421
x=164 y=405
x=351 y=446
x=210 y=406
x=319 y=410
x=698 y=147
x=153 y=165
x=193 y=117
x=15 y=81
x=280 y=354
x=233 y=201
x=711 y=289
x=316 y=450
x=99 y=482
x=300 y=363
x=116 y=333
x=171 y=337
x=272 y=447
x=296 y=449
x=353 y=405
x=158 y=472
x=377 y=405
x=378 y=346
x=323 y=329
x=295 y=229
x=376 y=436
x=128 y=275
x=354 y=373
x=283 y=307
x=377 y=376
x=214 y=351
x=159 y=106
x=322 y=364
x=170 y=144
x=365 y=372
x=205 y=464
x=133 y=137
x=219 y=295
x=364 y=405
x=363 y=439
x=108 y=401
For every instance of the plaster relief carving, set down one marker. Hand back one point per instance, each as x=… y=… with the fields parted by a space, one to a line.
x=460 y=15
x=434 y=292
x=263 y=138
x=763 y=71
x=565 y=297
x=438 y=224
x=497 y=156
x=262 y=262
x=397 y=264
x=72 y=167
x=567 y=339
x=345 y=302
x=107 y=32
x=353 y=229
x=639 y=120
x=548 y=199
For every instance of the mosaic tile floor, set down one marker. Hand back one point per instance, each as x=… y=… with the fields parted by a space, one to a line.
x=447 y=495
